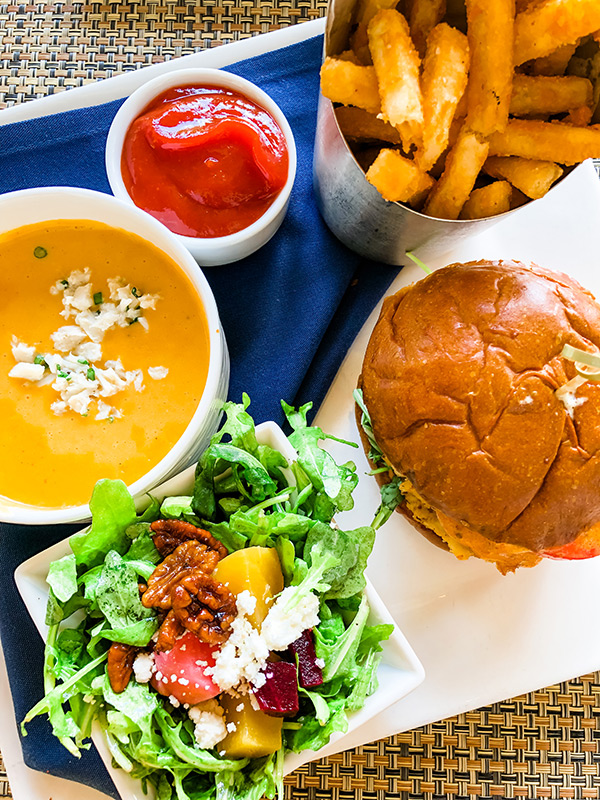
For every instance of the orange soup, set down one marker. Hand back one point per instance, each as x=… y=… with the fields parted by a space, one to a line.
x=115 y=396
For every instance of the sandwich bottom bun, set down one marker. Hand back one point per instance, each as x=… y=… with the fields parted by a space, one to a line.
x=494 y=436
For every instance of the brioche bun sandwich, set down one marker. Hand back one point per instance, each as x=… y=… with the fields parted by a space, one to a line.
x=480 y=411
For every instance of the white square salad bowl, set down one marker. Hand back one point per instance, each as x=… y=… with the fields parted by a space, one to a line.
x=399 y=672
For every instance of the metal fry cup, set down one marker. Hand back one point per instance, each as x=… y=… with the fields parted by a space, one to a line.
x=352 y=208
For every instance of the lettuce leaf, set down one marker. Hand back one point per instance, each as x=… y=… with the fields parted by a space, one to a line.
x=113 y=510
x=118 y=597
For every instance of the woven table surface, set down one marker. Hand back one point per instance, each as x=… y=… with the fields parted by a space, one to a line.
x=542 y=745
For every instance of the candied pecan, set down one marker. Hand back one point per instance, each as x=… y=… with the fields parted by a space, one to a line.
x=204 y=606
x=188 y=556
x=169 y=533
x=119 y=666
x=168 y=632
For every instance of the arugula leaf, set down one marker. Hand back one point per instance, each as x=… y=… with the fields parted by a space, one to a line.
x=60 y=691
x=239 y=425
x=118 y=598
x=340 y=656
x=312 y=735
x=391 y=496
x=337 y=482
x=195 y=757
x=62 y=577
x=252 y=471
x=113 y=510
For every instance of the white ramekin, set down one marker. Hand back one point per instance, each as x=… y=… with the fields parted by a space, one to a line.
x=60 y=203
x=209 y=252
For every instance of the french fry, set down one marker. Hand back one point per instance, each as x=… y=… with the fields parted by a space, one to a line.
x=346 y=83
x=488 y=201
x=424 y=16
x=349 y=55
x=398 y=179
x=365 y=156
x=358 y=125
x=463 y=163
x=581 y=116
x=443 y=83
x=490 y=34
x=546 y=141
x=555 y=63
x=397 y=68
x=365 y=11
x=517 y=198
x=532 y=177
x=541 y=95
x=549 y=24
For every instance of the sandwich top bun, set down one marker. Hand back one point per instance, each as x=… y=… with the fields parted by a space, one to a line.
x=460 y=380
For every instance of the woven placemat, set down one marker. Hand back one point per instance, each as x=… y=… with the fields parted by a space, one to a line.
x=542 y=745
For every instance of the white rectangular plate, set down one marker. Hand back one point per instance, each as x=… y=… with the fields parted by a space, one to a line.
x=482 y=637
x=399 y=673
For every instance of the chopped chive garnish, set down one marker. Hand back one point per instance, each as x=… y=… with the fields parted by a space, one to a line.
x=98 y=298
x=40 y=360
x=90 y=374
x=64 y=282
x=61 y=373
x=419 y=263
x=111 y=418
x=82 y=361
x=40 y=252
x=135 y=292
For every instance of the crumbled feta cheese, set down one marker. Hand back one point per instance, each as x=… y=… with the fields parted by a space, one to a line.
x=240 y=707
x=89 y=351
x=320 y=663
x=158 y=373
x=74 y=370
x=67 y=338
x=246 y=603
x=21 y=351
x=143 y=667
x=174 y=701
x=231 y=727
x=244 y=654
x=27 y=371
x=209 y=723
x=283 y=626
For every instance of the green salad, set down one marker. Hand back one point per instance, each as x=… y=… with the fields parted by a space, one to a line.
x=213 y=633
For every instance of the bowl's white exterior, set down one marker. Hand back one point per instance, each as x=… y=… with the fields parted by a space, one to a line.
x=209 y=252
x=59 y=203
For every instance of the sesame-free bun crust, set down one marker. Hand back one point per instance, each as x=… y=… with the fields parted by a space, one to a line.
x=459 y=378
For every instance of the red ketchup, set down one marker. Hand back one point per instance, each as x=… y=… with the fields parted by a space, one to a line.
x=204 y=160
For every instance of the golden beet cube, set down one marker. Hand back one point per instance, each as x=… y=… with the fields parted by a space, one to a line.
x=257 y=570
x=255 y=734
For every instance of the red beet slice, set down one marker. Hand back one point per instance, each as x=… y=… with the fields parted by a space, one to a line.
x=309 y=672
x=278 y=697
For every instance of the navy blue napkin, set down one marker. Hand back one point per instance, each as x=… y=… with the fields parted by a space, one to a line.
x=290 y=312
